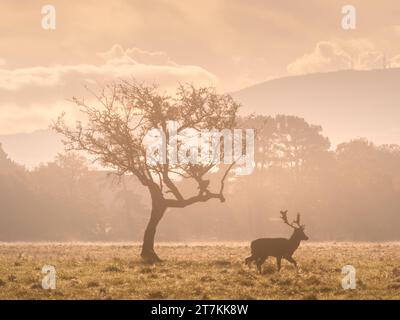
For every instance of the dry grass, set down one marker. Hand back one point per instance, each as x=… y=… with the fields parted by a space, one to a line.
x=208 y=271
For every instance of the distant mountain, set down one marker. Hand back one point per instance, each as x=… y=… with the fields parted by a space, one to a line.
x=31 y=149
x=348 y=104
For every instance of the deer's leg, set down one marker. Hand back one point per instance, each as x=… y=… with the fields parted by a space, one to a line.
x=248 y=260
x=278 y=263
x=260 y=262
x=291 y=260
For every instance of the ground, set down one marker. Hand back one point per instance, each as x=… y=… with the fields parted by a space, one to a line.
x=197 y=271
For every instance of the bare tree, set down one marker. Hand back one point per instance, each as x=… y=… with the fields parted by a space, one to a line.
x=118 y=123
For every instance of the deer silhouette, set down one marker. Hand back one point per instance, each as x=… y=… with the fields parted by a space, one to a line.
x=280 y=248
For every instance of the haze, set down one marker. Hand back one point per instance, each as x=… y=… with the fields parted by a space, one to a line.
x=291 y=62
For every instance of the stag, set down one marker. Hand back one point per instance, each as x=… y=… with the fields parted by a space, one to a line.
x=279 y=248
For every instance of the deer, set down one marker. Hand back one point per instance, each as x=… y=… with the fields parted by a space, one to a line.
x=280 y=248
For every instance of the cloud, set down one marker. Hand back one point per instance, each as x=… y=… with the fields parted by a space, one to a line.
x=327 y=56
x=14 y=80
x=49 y=86
x=357 y=54
x=394 y=62
x=118 y=63
x=371 y=60
x=14 y=119
x=117 y=55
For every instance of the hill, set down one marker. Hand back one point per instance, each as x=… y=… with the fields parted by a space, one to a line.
x=348 y=104
x=31 y=149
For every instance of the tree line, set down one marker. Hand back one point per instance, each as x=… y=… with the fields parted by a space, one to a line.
x=350 y=192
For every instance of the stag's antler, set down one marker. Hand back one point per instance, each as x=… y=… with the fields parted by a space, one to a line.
x=297 y=221
x=285 y=219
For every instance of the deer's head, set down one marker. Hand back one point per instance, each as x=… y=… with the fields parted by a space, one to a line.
x=298 y=232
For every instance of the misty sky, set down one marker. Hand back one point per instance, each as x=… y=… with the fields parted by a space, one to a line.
x=230 y=44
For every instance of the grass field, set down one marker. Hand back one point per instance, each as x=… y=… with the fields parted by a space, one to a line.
x=197 y=271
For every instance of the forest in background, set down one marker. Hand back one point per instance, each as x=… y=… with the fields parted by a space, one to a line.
x=349 y=193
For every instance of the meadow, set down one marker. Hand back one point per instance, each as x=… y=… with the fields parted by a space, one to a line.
x=196 y=271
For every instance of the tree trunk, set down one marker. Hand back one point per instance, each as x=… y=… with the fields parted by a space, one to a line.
x=157 y=212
